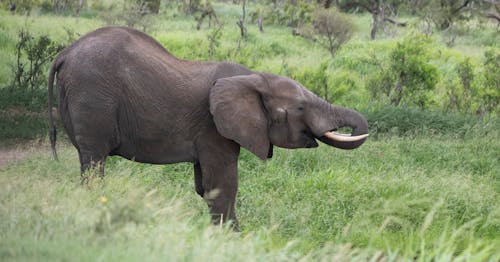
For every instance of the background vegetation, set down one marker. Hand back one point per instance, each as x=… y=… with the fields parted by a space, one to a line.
x=425 y=186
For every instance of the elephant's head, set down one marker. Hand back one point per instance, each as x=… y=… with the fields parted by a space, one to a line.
x=261 y=110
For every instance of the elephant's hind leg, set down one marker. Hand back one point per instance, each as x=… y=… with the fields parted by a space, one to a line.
x=95 y=136
x=91 y=162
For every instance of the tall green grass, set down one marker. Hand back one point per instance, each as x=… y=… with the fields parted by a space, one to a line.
x=408 y=121
x=399 y=198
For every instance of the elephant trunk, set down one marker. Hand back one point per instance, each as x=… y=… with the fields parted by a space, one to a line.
x=333 y=118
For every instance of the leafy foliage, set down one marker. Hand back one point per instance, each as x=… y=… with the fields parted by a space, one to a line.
x=490 y=95
x=408 y=76
x=379 y=10
x=289 y=12
x=444 y=13
x=316 y=79
x=33 y=55
x=214 y=37
x=462 y=93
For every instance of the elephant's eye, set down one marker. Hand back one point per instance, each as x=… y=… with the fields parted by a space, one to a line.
x=300 y=108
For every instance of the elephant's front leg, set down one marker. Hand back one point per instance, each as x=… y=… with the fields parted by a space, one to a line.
x=219 y=178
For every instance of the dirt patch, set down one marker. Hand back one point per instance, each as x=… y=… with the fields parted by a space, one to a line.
x=12 y=154
x=20 y=111
x=19 y=151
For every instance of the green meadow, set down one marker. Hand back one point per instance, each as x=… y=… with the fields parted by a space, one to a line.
x=424 y=187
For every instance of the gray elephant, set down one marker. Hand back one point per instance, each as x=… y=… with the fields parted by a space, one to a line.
x=121 y=93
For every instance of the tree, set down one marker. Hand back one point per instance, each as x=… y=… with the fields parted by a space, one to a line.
x=492 y=10
x=331 y=29
x=207 y=10
x=381 y=11
x=241 y=22
x=62 y=5
x=190 y=6
x=444 y=13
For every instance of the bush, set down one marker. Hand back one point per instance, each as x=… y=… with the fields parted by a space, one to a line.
x=345 y=88
x=289 y=13
x=490 y=93
x=315 y=79
x=407 y=77
x=25 y=6
x=153 y=6
x=31 y=100
x=461 y=93
x=33 y=55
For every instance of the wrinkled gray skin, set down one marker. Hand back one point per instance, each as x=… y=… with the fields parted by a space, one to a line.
x=121 y=93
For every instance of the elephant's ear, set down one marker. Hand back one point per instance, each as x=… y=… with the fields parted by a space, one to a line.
x=238 y=112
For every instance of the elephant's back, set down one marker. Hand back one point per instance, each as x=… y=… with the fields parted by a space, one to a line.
x=112 y=49
x=108 y=40
x=120 y=59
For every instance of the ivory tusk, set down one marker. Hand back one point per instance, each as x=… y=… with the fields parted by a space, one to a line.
x=344 y=137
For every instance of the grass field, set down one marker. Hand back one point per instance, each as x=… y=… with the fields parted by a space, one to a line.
x=395 y=198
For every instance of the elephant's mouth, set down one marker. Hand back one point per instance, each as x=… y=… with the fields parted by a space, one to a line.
x=309 y=139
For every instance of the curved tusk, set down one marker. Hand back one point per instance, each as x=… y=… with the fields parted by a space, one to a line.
x=344 y=137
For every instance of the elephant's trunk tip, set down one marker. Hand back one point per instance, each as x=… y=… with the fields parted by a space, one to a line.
x=343 y=117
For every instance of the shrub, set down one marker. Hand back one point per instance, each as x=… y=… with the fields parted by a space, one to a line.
x=490 y=93
x=26 y=6
x=315 y=79
x=461 y=92
x=153 y=6
x=214 y=37
x=345 y=88
x=407 y=77
x=32 y=56
x=289 y=12
x=298 y=13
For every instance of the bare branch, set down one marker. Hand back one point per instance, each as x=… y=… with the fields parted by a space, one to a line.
x=493 y=15
x=458 y=9
x=394 y=22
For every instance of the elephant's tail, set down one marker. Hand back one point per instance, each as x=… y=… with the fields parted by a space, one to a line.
x=52 y=128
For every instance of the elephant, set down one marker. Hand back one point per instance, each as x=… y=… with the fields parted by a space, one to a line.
x=120 y=92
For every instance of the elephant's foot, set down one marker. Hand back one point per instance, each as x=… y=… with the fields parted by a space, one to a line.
x=220 y=219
